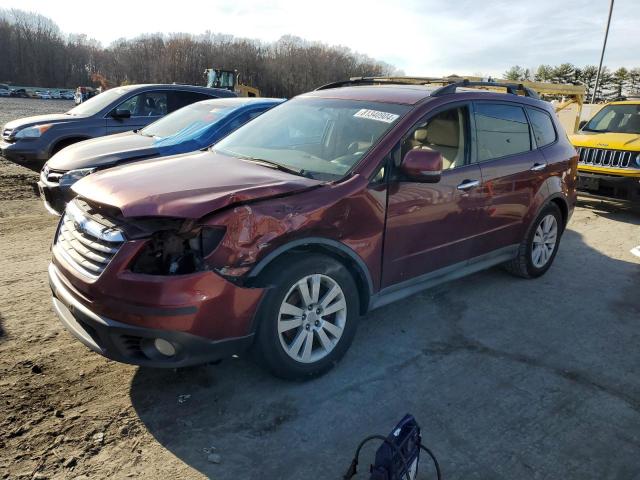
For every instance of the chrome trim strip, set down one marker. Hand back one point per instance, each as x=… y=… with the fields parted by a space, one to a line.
x=73 y=263
x=92 y=227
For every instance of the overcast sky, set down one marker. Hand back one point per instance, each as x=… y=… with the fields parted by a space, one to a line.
x=422 y=37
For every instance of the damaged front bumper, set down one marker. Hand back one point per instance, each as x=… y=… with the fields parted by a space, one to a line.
x=155 y=321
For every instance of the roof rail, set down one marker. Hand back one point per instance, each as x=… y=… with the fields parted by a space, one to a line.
x=512 y=88
x=356 y=81
x=448 y=84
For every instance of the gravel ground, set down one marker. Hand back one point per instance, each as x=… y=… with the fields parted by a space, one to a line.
x=509 y=378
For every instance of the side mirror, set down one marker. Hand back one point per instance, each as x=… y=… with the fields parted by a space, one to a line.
x=422 y=165
x=582 y=124
x=121 y=113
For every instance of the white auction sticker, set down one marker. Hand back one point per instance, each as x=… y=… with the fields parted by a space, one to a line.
x=376 y=115
x=636 y=251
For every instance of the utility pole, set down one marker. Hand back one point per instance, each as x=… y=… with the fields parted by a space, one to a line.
x=604 y=46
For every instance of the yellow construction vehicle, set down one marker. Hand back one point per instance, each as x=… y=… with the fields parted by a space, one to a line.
x=230 y=80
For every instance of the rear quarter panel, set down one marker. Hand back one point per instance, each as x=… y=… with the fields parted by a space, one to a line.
x=562 y=166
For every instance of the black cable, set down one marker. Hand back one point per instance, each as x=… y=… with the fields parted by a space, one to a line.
x=435 y=462
x=353 y=468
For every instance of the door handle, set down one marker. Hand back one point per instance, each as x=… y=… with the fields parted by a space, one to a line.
x=538 y=167
x=468 y=184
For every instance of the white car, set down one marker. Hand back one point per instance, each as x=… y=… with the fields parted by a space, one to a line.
x=44 y=95
x=5 y=93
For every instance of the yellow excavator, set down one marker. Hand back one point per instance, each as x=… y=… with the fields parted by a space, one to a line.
x=230 y=80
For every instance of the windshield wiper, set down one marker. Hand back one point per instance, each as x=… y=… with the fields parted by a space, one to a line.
x=296 y=171
x=267 y=163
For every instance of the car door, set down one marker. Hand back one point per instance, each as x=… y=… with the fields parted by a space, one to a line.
x=512 y=171
x=433 y=225
x=144 y=108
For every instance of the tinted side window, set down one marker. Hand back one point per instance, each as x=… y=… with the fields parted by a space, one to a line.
x=542 y=125
x=178 y=99
x=147 y=104
x=501 y=130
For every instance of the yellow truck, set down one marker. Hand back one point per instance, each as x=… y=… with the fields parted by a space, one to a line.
x=609 y=149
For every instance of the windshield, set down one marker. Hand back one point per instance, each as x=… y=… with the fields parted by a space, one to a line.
x=97 y=103
x=193 y=118
x=622 y=118
x=323 y=138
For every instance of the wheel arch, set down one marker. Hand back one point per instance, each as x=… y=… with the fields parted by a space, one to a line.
x=61 y=143
x=559 y=200
x=341 y=252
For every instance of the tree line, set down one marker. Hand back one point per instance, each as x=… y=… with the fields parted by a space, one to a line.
x=621 y=82
x=34 y=51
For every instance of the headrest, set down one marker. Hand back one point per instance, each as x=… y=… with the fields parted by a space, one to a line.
x=420 y=135
x=442 y=132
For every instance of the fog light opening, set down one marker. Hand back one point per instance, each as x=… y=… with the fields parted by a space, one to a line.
x=164 y=347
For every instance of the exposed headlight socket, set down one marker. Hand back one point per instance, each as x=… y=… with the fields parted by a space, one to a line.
x=173 y=252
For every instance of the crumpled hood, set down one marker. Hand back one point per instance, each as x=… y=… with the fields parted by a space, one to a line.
x=614 y=141
x=41 y=119
x=103 y=151
x=186 y=186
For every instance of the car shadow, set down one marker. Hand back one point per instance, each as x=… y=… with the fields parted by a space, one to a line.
x=499 y=371
x=621 y=212
x=2 y=332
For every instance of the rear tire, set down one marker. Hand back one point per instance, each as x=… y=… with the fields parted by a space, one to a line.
x=308 y=318
x=540 y=245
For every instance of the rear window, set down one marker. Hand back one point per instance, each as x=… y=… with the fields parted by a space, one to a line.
x=542 y=126
x=501 y=130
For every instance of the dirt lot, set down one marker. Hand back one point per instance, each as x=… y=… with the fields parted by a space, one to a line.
x=510 y=379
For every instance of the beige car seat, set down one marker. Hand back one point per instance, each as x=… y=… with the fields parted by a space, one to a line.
x=441 y=135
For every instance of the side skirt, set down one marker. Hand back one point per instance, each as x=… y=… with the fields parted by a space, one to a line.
x=409 y=287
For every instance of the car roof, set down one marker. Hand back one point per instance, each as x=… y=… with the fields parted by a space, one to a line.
x=240 y=101
x=625 y=102
x=175 y=86
x=403 y=94
x=411 y=94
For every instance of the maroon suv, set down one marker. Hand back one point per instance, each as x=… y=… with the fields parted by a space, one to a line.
x=330 y=205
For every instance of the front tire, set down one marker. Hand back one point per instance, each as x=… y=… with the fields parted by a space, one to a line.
x=309 y=316
x=539 y=247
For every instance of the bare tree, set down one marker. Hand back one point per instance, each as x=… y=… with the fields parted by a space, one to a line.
x=36 y=52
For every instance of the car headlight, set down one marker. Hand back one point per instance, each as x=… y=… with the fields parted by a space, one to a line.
x=72 y=176
x=33 y=132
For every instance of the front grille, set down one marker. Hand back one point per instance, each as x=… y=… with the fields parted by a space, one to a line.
x=86 y=244
x=600 y=157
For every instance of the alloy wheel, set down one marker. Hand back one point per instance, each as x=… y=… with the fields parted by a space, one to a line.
x=312 y=318
x=544 y=241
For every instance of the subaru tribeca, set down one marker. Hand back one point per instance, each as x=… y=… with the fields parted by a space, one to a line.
x=330 y=205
